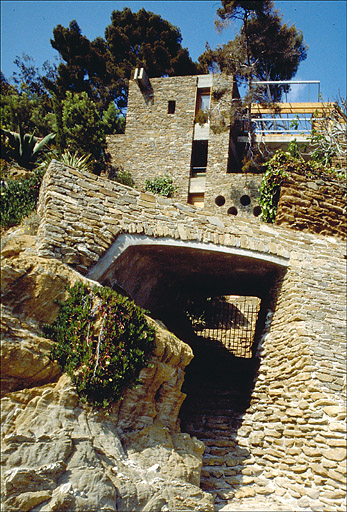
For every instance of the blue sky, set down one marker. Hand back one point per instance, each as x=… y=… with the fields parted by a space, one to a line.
x=27 y=26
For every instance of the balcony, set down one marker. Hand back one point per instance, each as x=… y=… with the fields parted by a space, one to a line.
x=282 y=122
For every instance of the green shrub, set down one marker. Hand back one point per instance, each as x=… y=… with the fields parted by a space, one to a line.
x=162 y=185
x=124 y=177
x=102 y=365
x=19 y=198
x=83 y=128
x=201 y=117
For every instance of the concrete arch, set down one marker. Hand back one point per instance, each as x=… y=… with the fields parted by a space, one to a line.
x=158 y=272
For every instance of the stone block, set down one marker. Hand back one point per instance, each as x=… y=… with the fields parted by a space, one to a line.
x=334 y=454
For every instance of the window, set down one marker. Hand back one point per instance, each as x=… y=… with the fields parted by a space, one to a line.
x=199 y=157
x=196 y=200
x=171 y=107
x=203 y=100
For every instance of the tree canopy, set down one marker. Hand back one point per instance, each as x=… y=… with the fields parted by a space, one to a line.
x=263 y=50
x=27 y=102
x=102 y=67
x=82 y=98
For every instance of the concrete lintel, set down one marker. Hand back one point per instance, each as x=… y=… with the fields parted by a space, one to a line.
x=205 y=81
x=126 y=240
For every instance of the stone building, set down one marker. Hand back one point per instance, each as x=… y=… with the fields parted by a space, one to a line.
x=163 y=137
x=169 y=134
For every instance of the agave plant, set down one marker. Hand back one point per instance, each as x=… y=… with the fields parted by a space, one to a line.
x=82 y=163
x=26 y=148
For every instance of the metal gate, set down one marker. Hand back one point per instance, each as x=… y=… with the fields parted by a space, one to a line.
x=231 y=321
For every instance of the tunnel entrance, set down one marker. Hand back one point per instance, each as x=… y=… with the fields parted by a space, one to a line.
x=218 y=386
x=169 y=281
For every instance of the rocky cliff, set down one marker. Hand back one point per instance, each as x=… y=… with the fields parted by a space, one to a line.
x=59 y=455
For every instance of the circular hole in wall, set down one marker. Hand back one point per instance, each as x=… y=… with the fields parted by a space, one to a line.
x=232 y=210
x=256 y=211
x=245 y=200
x=220 y=200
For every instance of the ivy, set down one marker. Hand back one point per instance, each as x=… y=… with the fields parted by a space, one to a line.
x=162 y=185
x=270 y=186
x=103 y=341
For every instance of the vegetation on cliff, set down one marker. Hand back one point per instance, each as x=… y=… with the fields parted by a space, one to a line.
x=19 y=198
x=103 y=341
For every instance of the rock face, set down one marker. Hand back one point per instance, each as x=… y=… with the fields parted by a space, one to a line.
x=58 y=455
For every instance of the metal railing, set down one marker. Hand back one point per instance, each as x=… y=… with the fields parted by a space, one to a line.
x=289 y=82
x=278 y=118
x=283 y=125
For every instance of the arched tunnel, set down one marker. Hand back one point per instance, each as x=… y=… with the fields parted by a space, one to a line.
x=162 y=278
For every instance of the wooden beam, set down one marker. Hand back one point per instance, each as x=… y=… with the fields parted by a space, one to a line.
x=291 y=108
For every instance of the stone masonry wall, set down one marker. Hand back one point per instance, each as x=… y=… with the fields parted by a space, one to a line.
x=157 y=143
x=294 y=429
x=293 y=433
x=233 y=186
x=317 y=204
x=218 y=143
x=82 y=215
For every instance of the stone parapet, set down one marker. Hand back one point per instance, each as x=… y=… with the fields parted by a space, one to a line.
x=316 y=204
x=82 y=215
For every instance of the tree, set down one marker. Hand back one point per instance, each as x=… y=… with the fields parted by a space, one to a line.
x=112 y=121
x=28 y=78
x=102 y=68
x=86 y=67
x=27 y=102
x=145 y=39
x=263 y=50
x=83 y=128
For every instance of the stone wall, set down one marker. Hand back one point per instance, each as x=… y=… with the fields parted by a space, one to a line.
x=157 y=143
x=83 y=214
x=294 y=428
x=232 y=187
x=317 y=204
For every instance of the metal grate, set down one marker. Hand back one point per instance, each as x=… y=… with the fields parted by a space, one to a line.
x=231 y=321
